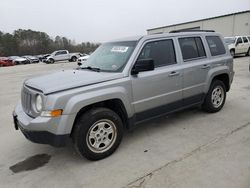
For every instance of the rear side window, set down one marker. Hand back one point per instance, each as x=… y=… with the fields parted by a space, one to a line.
x=162 y=52
x=191 y=48
x=216 y=46
x=245 y=40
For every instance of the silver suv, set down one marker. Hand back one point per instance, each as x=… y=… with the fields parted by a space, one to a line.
x=124 y=83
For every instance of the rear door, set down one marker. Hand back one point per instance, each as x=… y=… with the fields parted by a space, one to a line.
x=246 y=44
x=195 y=68
x=239 y=48
x=158 y=91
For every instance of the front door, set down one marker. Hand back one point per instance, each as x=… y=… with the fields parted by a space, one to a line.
x=239 y=46
x=158 y=91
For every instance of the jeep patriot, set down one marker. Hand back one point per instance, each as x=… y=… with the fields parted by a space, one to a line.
x=124 y=83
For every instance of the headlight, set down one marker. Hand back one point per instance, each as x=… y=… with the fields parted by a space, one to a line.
x=39 y=103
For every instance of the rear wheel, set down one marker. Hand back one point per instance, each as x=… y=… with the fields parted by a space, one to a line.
x=215 y=98
x=97 y=133
x=248 y=52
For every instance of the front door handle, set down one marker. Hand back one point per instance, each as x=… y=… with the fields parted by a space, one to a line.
x=205 y=67
x=174 y=73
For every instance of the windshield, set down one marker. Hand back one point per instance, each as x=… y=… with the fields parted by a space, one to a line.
x=111 y=57
x=230 y=40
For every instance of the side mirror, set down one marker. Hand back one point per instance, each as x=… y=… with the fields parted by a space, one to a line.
x=143 y=65
x=79 y=63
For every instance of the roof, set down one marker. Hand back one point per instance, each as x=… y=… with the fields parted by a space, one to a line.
x=246 y=11
x=159 y=35
x=179 y=34
x=132 y=38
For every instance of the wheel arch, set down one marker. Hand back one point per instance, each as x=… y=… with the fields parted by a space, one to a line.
x=72 y=57
x=115 y=105
x=224 y=77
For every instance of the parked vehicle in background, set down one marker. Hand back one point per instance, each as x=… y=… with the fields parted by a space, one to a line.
x=19 y=60
x=32 y=59
x=124 y=83
x=5 y=61
x=238 y=45
x=43 y=57
x=82 y=59
x=62 y=55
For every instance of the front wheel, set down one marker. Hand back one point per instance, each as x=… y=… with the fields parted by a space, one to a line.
x=97 y=133
x=216 y=97
x=51 y=61
x=74 y=59
x=232 y=52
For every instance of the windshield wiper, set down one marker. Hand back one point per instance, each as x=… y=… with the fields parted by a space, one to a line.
x=91 y=68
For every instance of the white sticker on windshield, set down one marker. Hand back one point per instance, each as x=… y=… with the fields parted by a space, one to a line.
x=120 y=49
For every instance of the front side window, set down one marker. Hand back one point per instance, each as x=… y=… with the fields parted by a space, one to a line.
x=239 y=40
x=191 y=48
x=111 y=57
x=162 y=52
x=216 y=46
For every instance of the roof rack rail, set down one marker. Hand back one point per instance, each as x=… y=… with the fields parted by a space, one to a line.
x=190 y=30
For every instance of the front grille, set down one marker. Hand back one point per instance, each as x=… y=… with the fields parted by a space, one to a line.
x=26 y=98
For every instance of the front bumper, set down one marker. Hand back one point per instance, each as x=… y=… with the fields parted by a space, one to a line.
x=36 y=129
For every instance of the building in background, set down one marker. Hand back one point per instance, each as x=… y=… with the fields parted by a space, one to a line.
x=228 y=25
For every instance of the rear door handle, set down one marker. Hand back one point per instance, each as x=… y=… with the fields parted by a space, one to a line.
x=174 y=73
x=205 y=67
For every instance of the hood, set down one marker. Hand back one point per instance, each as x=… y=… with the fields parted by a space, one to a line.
x=69 y=79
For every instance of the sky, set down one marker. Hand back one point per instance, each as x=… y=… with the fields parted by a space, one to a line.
x=104 y=20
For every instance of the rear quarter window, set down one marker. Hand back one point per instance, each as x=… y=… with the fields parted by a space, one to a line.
x=216 y=46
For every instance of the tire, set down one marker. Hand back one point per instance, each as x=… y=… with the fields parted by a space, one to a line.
x=104 y=125
x=232 y=52
x=215 y=98
x=74 y=59
x=51 y=61
x=248 y=52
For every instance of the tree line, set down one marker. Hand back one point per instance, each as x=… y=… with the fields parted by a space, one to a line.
x=28 y=42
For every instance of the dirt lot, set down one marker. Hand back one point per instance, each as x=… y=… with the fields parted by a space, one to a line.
x=187 y=149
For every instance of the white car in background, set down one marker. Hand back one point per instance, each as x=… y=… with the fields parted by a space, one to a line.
x=62 y=55
x=238 y=45
x=82 y=59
